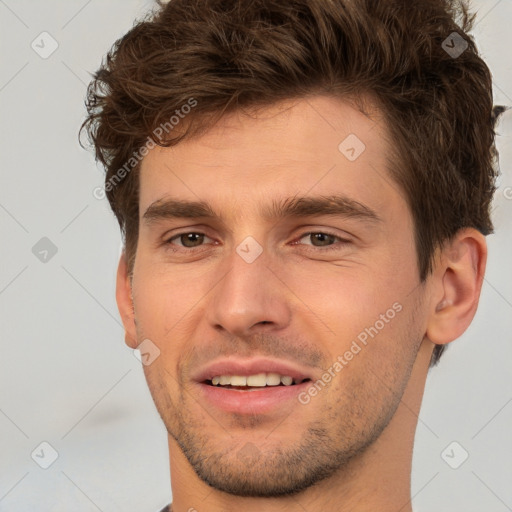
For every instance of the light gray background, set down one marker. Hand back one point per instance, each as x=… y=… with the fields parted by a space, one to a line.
x=66 y=376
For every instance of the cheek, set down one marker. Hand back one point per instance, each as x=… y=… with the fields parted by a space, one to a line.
x=349 y=299
x=161 y=299
x=370 y=314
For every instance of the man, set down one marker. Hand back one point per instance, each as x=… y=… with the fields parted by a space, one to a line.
x=304 y=191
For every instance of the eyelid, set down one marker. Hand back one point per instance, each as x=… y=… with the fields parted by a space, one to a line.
x=341 y=240
x=167 y=240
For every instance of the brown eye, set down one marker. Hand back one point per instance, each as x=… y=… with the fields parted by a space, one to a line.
x=320 y=239
x=191 y=239
x=188 y=240
x=323 y=239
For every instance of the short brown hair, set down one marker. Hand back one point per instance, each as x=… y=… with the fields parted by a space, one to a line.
x=232 y=54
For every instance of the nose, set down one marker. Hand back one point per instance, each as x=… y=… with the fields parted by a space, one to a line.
x=250 y=298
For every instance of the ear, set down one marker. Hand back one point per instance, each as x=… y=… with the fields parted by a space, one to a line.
x=457 y=282
x=125 y=302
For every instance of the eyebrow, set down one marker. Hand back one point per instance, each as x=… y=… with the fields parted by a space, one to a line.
x=304 y=206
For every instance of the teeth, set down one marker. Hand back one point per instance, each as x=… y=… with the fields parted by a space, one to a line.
x=224 y=380
x=273 y=379
x=238 y=380
x=258 y=380
x=287 y=381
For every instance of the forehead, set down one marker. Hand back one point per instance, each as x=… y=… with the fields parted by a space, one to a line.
x=313 y=146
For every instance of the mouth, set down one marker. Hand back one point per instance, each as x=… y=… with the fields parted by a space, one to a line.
x=254 y=382
x=252 y=386
x=273 y=400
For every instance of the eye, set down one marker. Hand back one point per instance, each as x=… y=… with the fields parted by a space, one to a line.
x=323 y=239
x=188 y=240
x=192 y=239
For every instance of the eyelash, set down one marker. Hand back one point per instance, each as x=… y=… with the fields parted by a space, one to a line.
x=308 y=233
x=332 y=247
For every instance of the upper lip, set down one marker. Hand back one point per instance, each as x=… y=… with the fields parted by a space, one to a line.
x=251 y=366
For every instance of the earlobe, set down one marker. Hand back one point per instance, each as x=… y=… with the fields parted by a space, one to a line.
x=458 y=282
x=125 y=302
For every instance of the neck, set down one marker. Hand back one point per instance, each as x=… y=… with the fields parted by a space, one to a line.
x=377 y=479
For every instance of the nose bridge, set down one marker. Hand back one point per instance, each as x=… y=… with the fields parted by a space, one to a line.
x=248 y=294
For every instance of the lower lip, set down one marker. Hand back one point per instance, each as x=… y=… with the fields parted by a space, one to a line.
x=254 y=401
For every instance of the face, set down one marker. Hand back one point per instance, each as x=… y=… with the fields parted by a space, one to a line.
x=300 y=262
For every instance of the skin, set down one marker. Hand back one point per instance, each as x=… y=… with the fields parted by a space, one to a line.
x=350 y=447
